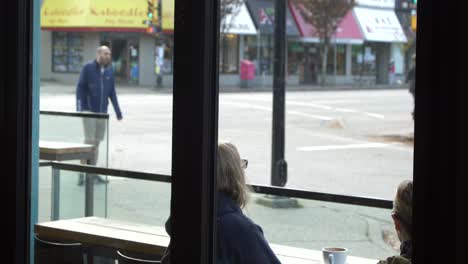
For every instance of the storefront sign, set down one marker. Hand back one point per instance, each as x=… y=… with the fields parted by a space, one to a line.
x=347 y=32
x=93 y=14
x=376 y=3
x=414 y=22
x=263 y=13
x=167 y=15
x=380 y=25
x=238 y=21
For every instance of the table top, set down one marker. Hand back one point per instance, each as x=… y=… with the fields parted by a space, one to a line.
x=107 y=232
x=151 y=239
x=54 y=147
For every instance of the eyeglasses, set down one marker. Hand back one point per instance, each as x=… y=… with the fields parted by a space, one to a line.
x=244 y=163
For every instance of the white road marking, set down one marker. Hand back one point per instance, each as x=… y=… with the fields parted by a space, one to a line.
x=244 y=105
x=379 y=116
x=312 y=105
x=319 y=106
x=263 y=108
x=346 y=110
x=325 y=118
x=341 y=147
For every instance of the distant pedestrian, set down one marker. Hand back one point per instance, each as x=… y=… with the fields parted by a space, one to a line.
x=95 y=87
x=411 y=79
x=159 y=65
x=391 y=72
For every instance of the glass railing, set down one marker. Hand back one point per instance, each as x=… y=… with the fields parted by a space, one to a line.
x=77 y=138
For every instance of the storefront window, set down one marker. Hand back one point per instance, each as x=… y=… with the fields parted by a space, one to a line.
x=229 y=54
x=363 y=60
x=340 y=60
x=67 y=52
x=295 y=56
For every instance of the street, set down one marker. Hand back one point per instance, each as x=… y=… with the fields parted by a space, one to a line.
x=344 y=142
x=333 y=139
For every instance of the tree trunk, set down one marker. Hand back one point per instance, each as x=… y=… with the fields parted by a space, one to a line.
x=323 y=75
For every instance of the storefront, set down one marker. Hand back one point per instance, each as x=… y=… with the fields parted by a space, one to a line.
x=236 y=26
x=260 y=48
x=339 y=60
x=71 y=32
x=384 y=42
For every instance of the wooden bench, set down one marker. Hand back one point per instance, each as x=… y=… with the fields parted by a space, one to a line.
x=148 y=239
x=63 y=151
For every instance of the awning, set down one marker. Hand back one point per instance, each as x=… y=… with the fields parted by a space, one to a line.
x=94 y=15
x=263 y=12
x=348 y=31
x=238 y=21
x=379 y=25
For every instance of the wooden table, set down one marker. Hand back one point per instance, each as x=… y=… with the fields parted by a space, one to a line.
x=293 y=255
x=148 y=239
x=103 y=232
x=63 y=151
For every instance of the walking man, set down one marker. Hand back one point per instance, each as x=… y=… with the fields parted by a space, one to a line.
x=95 y=87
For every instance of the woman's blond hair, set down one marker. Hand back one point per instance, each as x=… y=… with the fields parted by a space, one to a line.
x=403 y=204
x=231 y=176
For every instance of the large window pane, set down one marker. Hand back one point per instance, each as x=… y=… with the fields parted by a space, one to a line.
x=348 y=126
x=113 y=59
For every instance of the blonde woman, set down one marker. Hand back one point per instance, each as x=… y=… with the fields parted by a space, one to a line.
x=402 y=215
x=240 y=240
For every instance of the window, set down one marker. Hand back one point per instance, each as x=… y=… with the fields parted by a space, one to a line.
x=67 y=52
x=363 y=60
x=229 y=54
x=331 y=137
x=336 y=60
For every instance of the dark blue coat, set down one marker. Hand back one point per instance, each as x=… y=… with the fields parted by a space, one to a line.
x=240 y=241
x=95 y=88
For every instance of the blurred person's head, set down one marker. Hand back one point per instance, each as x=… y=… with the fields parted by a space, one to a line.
x=103 y=55
x=231 y=175
x=403 y=210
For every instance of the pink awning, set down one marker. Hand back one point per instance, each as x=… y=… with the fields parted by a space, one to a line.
x=348 y=31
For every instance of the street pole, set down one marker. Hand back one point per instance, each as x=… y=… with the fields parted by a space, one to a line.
x=278 y=163
x=334 y=60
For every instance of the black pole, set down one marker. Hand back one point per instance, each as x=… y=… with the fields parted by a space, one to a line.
x=278 y=164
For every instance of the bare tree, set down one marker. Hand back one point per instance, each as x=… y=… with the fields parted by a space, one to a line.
x=325 y=16
x=229 y=9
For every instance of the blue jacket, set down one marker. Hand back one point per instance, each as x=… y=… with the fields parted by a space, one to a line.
x=95 y=88
x=240 y=241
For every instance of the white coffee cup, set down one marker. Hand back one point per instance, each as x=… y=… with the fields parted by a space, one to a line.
x=334 y=255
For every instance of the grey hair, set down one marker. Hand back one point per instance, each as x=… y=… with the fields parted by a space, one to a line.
x=403 y=205
x=230 y=175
